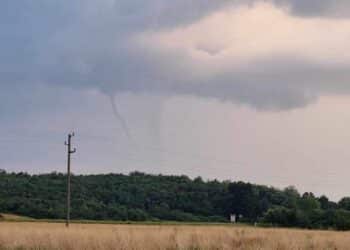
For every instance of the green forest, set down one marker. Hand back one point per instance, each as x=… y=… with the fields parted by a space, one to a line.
x=144 y=197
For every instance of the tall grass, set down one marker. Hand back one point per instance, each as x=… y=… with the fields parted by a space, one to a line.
x=87 y=236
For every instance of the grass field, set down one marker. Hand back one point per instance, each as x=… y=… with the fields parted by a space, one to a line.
x=39 y=235
x=13 y=217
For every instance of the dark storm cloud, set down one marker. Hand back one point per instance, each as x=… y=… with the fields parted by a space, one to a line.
x=34 y=33
x=319 y=8
x=86 y=44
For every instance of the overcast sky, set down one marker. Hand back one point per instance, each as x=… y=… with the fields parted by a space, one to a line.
x=249 y=90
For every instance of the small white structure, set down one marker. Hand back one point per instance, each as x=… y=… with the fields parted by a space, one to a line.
x=233 y=218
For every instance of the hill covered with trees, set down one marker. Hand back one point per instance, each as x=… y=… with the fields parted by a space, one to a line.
x=141 y=197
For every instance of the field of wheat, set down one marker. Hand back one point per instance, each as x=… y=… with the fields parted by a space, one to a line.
x=87 y=236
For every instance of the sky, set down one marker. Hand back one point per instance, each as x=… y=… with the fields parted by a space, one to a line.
x=248 y=90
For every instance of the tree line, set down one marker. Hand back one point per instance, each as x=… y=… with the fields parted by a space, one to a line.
x=144 y=197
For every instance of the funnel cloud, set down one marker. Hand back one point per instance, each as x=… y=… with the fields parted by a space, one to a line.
x=120 y=118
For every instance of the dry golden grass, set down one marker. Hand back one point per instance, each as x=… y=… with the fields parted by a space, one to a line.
x=87 y=236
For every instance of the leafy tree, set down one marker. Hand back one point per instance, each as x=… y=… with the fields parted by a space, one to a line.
x=308 y=202
x=344 y=203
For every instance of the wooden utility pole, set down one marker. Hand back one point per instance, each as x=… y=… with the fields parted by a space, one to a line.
x=69 y=153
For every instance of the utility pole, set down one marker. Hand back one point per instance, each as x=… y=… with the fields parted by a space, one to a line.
x=70 y=152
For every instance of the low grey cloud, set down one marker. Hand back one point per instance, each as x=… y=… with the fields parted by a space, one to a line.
x=318 y=8
x=89 y=44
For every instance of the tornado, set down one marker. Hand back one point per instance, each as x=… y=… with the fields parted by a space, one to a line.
x=120 y=118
